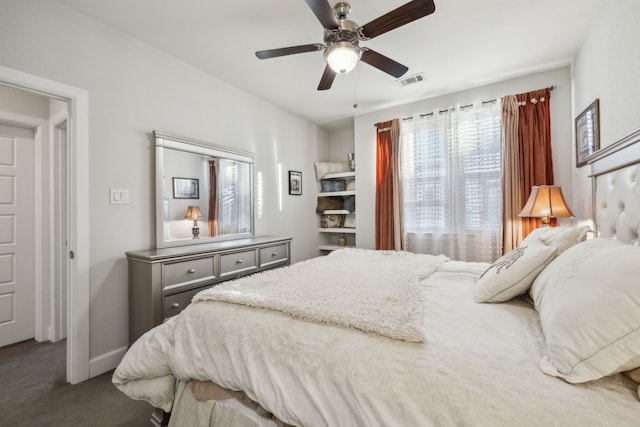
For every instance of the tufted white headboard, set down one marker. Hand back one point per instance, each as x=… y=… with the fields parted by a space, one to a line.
x=615 y=171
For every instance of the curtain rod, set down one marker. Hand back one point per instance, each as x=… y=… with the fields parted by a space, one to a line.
x=551 y=88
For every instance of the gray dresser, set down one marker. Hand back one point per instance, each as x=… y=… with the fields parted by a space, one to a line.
x=163 y=281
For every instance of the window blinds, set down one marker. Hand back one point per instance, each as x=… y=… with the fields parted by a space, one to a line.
x=450 y=163
x=234 y=195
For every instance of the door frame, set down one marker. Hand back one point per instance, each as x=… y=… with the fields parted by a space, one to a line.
x=58 y=224
x=78 y=289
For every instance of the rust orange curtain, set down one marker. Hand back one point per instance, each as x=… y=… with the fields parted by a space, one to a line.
x=387 y=142
x=534 y=136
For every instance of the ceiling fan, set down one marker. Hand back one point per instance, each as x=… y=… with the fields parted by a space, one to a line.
x=342 y=38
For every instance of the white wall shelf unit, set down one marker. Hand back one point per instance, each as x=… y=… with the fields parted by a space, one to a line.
x=338 y=175
x=329 y=238
x=337 y=230
x=337 y=193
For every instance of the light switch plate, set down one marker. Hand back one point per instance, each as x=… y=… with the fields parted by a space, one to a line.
x=118 y=196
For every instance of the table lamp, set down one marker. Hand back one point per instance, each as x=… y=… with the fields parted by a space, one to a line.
x=545 y=202
x=194 y=212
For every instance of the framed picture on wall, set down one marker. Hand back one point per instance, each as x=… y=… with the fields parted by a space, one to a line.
x=295 y=183
x=186 y=188
x=587 y=133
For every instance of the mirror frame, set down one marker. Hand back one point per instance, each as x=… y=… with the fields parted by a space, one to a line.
x=164 y=141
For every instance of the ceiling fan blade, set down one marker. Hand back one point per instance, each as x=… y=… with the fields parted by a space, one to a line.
x=327 y=78
x=324 y=12
x=383 y=63
x=273 y=53
x=403 y=15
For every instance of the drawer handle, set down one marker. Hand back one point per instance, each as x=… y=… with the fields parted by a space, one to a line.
x=191 y=270
x=274 y=253
x=239 y=261
x=175 y=305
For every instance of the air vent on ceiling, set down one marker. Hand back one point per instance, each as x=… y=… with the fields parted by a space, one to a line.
x=416 y=78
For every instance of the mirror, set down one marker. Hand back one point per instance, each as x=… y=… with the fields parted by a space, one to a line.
x=204 y=192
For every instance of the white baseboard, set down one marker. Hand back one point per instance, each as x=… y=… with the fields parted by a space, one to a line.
x=106 y=362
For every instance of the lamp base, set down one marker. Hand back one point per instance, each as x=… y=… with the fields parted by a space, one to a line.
x=195 y=230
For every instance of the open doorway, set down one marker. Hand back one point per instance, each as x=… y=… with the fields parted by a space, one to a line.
x=33 y=209
x=67 y=260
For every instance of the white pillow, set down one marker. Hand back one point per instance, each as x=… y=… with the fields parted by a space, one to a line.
x=549 y=242
x=513 y=273
x=588 y=300
x=562 y=238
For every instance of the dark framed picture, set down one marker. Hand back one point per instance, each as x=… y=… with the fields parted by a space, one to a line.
x=295 y=183
x=186 y=188
x=587 y=133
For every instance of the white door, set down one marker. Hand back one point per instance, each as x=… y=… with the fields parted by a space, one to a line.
x=17 y=267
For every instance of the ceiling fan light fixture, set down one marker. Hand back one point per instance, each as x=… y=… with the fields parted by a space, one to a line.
x=342 y=57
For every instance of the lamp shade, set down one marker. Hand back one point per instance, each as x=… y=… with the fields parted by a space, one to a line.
x=342 y=57
x=193 y=212
x=546 y=201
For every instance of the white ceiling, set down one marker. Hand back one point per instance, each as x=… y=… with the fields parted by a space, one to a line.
x=465 y=43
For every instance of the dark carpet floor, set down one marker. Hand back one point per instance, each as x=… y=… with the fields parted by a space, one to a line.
x=34 y=392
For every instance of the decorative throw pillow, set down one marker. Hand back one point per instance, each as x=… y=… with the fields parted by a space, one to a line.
x=330 y=185
x=588 y=300
x=325 y=168
x=329 y=203
x=562 y=238
x=493 y=287
x=513 y=273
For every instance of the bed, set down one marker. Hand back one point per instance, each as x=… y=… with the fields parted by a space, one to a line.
x=547 y=335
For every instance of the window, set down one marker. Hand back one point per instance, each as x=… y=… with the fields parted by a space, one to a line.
x=451 y=182
x=234 y=195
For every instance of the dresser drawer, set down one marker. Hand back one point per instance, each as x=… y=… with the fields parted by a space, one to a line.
x=271 y=255
x=183 y=272
x=163 y=281
x=238 y=262
x=174 y=304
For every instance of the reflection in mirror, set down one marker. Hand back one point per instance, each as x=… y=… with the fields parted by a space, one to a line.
x=203 y=192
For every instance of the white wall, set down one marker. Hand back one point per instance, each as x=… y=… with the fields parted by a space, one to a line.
x=365 y=136
x=134 y=89
x=341 y=142
x=607 y=67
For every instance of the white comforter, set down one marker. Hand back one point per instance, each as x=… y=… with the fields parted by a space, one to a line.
x=478 y=366
x=383 y=296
